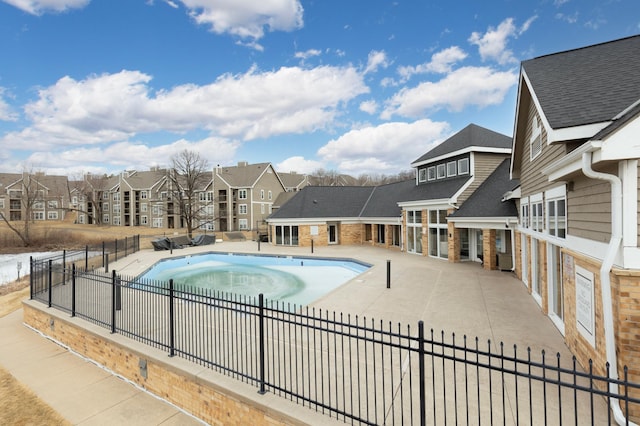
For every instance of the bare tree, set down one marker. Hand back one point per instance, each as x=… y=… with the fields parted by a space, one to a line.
x=89 y=190
x=188 y=178
x=28 y=194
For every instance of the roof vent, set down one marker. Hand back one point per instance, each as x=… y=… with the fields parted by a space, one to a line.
x=242 y=164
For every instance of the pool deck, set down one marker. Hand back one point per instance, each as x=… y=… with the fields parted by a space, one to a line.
x=456 y=298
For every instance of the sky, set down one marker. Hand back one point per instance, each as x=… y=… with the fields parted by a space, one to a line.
x=102 y=86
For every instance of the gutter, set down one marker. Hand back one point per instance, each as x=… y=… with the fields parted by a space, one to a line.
x=605 y=279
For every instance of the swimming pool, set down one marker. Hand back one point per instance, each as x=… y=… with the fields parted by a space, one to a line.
x=289 y=279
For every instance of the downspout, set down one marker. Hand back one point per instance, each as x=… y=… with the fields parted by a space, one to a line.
x=605 y=279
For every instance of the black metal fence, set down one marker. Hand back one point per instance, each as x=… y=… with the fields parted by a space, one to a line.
x=351 y=368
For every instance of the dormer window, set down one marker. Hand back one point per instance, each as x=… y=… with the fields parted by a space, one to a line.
x=535 y=140
x=463 y=166
x=431 y=173
x=422 y=175
x=440 y=171
x=451 y=169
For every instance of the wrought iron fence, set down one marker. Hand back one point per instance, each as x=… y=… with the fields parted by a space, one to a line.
x=351 y=368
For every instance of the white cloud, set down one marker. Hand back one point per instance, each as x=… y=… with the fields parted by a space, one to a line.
x=246 y=19
x=38 y=7
x=386 y=148
x=370 y=107
x=308 y=54
x=479 y=86
x=441 y=62
x=571 y=19
x=130 y=155
x=6 y=112
x=375 y=60
x=493 y=44
x=299 y=165
x=115 y=107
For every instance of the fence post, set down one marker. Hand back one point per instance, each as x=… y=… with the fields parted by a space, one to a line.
x=388 y=274
x=103 y=265
x=118 y=294
x=262 y=390
x=73 y=290
x=86 y=258
x=105 y=262
x=113 y=302
x=423 y=406
x=31 y=278
x=171 y=323
x=64 y=267
x=126 y=244
x=50 y=285
x=116 y=255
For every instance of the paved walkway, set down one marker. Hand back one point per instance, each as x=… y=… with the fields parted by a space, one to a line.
x=456 y=298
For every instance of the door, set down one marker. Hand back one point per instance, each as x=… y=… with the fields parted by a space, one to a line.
x=535 y=271
x=465 y=246
x=524 y=258
x=333 y=233
x=556 y=306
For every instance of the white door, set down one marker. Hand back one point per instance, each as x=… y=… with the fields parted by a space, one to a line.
x=556 y=290
x=524 y=247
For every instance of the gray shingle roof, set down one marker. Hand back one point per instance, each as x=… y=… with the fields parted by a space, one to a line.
x=363 y=201
x=242 y=176
x=587 y=85
x=486 y=201
x=325 y=201
x=472 y=135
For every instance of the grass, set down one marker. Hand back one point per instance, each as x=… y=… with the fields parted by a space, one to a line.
x=18 y=404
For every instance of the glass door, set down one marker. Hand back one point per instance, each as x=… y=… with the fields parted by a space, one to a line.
x=524 y=248
x=465 y=253
x=556 y=306
x=333 y=234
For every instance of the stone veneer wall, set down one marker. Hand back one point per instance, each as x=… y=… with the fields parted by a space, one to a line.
x=199 y=391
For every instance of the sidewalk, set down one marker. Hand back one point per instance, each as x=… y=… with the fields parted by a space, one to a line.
x=81 y=391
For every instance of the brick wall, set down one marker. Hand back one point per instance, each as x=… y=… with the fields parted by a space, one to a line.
x=199 y=391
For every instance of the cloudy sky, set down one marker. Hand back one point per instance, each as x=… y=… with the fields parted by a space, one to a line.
x=356 y=86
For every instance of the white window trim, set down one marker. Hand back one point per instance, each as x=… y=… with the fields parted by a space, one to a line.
x=464 y=161
x=455 y=166
x=535 y=140
x=422 y=175
x=439 y=168
x=429 y=175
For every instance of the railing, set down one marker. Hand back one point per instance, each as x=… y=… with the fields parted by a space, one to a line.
x=351 y=368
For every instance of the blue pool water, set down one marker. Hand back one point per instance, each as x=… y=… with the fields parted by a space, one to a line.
x=295 y=280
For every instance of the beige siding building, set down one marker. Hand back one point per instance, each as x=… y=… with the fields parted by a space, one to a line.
x=576 y=152
x=34 y=196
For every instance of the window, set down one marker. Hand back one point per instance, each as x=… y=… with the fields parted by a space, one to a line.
x=537 y=220
x=262 y=194
x=116 y=196
x=155 y=210
x=143 y=195
x=105 y=207
x=144 y=207
x=431 y=173
x=38 y=205
x=105 y=195
x=38 y=215
x=208 y=210
x=414 y=231
x=74 y=200
x=53 y=204
x=262 y=208
x=463 y=166
x=438 y=238
x=422 y=175
x=144 y=220
x=1 y=203
x=524 y=215
x=242 y=209
x=116 y=208
x=286 y=235
x=535 y=140
x=105 y=218
x=270 y=195
x=205 y=196
x=440 y=171
x=242 y=194
x=557 y=217
x=451 y=168
x=81 y=219
x=243 y=223
x=157 y=222
x=116 y=220
x=52 y=215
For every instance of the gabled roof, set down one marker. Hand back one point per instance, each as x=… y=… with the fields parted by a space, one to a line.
x=144 y=180
x=292 y=180
x=242 y=176
x=486 y=201
x=589 y=85
x=465 y=140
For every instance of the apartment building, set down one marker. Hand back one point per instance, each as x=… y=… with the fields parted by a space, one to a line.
x=34 y=196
